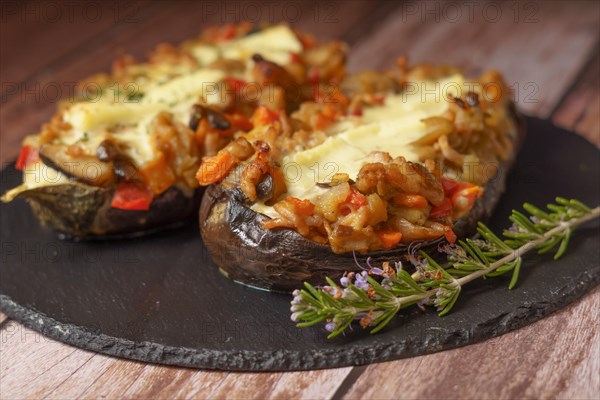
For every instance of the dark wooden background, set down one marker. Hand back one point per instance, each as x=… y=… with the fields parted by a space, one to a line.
x=547 y=50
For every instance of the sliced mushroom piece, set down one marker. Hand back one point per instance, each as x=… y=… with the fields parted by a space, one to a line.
x=214 y=118
x=83 y=168
x=107 y=150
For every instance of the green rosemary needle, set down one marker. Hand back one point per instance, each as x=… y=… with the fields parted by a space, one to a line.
x=374 y=302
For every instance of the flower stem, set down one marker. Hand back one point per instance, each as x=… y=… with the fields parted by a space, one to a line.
x=513 y=255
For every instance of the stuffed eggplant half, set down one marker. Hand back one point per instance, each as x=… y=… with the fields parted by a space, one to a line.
x=121 y=157
x=386 y=164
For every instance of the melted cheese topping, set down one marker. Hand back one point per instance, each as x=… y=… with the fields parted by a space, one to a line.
x=390 y=128
x=169 y=88
x=36 y=175
x=274 y=44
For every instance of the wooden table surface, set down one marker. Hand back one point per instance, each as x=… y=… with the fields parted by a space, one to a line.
x=549 y=50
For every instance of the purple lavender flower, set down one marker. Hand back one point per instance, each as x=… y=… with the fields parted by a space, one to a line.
x=514 y=228
x=297 y=300
x=330 y=326
x=360 y=315
x=297 y=307
x=334 y=291
x=398 y=265
x=345 y=281
x=376 y=271
x=295 y=316
x=361 y=281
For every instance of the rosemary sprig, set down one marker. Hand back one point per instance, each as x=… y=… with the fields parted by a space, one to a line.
x=374 y=302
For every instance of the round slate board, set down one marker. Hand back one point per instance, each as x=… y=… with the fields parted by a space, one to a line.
x=160 y=299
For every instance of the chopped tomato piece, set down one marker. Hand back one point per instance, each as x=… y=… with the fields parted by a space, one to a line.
x=379 y=98
x=357 y=112
x=322 y=121
x=132 y=196
x=308 y=41
x=449 y=185
x=215 y=168
x=356 y=198
x=410 y=200
x=236 y=84
x=443 y=210
x=228 y=32
x=389 y=238
x=302 y=207
x=330 y=111
x=471 y=192
x=294 y=57
x=27 y=156
x=450 y=235
x=314 y=75
x=263 y=115
x=240 y=122
x=464 y=198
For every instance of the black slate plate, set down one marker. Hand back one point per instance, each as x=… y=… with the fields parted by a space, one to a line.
x=160 y=299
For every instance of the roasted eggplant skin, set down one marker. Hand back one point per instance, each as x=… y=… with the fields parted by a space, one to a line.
x=83 y=212
x=281 y=259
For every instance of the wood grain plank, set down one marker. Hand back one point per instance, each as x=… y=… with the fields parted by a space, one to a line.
x=34 y=366
x=184 y=383
x=43 y=26
x=538 y=361
x=22 y=365
x=309 y=385
x=74 y=383
x=540 y=54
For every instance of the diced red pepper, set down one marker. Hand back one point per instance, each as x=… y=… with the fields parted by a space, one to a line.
x=228 y=32
x=263 y=115
x=236 y=84
x=302 y=207
x=295 y=58
x=308 y=41
x=132 y=196
x=240 y=122
x=215 y=168
x=314 y=75
x=389 y=239
x=450 y=235
x=27 y=156
x=443 y=210
x=464 y=198
x=357 y=112
x=379 y=98
x=356 y=198
x=449 y=185
x=410 y=200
